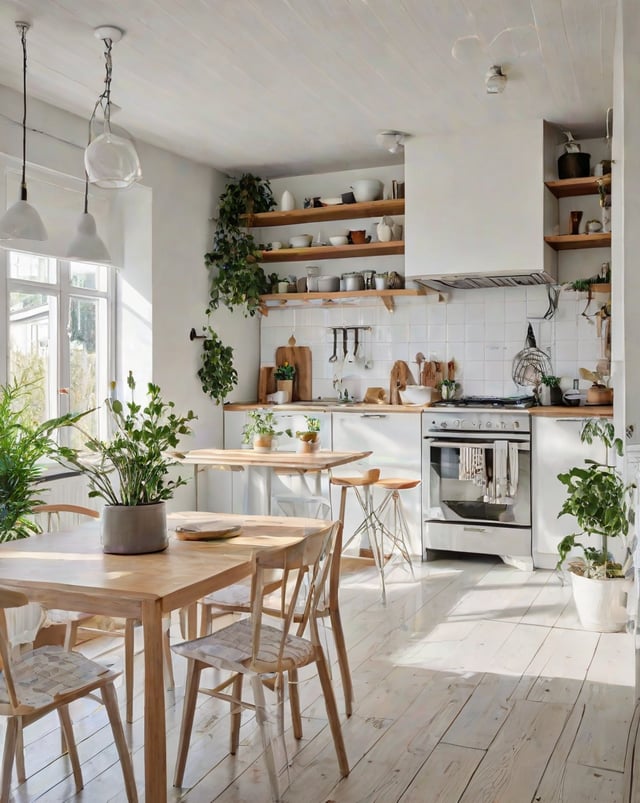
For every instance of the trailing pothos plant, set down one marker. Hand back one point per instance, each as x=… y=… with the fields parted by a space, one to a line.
x=600 y=500
x=217 y=374
x=239 y=279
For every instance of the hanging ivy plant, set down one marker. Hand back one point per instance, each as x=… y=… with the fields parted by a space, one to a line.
x=217 y=374
x=239 y=279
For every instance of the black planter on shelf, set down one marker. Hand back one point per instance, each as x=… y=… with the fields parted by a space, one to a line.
x=574 y=165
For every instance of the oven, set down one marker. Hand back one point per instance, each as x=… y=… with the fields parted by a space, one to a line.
x=476 y=482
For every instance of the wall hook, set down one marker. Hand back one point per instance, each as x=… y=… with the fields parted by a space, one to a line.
x=194 y=336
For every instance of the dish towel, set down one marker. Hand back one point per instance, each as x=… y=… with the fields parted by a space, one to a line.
x=513 y=469
x=472 y=465
x=500 y=475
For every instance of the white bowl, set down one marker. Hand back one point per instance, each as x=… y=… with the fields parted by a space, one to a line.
x=416 y=394
x=331 y=201
x=300 y=241
x=341 y=240
x=367 y=189
x=328 y=284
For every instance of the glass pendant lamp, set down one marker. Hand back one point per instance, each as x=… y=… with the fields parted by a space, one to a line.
x=110 y=160
x=22 y=221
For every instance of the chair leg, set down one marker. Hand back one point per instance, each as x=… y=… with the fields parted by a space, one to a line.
x=10 y=740
x=20 y=768
x=192 y=683
x=205 y=620
x=110 y=700
x=69 y=738
x=236 y=714
x=332 y=711
x=71 y=634
x=170 y=682
x=294 y=703
x=265 y=732
x=129 y=643
x=343 y=659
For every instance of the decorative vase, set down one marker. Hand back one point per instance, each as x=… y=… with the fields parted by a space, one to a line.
x=605 y=214
x=262 y=443
x=306 y=445
x=287 y=202
x=285 y=385
x=134 y=529
x=601 y=604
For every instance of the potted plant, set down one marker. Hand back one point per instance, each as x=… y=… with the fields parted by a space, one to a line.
x=448 y=388
x=130 y=471
x=261 y=429
x=23 y=446
x=216 y=373
x=240 y=279
x=550 y=392
x=309 y=438
x=600 y=500
x=284 y=375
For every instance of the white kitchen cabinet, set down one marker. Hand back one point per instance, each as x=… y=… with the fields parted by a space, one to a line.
x=223 y=491
x=555 y=447
x=395 y=442
x=476 y=201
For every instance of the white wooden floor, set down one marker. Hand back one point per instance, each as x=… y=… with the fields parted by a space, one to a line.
x=475 y=684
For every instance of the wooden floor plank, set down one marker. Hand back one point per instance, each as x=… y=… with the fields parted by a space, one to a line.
x=444 y=775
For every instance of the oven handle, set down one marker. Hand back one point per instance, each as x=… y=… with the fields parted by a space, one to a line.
x=522 y=445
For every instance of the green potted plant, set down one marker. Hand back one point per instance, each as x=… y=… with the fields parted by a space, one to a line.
x=550 y=392
x=239 y=279
x=216 y=373
x=130 y=471
x=309 y=438
x=261 y=429
x=284 y=376
x=448 y=388
x=23 y=447
x=600 y=500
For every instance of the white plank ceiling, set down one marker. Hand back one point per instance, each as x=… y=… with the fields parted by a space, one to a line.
x=283 y=87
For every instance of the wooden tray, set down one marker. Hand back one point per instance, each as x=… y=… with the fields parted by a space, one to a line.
x=211 y=533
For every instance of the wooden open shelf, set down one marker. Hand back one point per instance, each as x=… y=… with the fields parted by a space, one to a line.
x=333 y=252
x=331 y=299
x=568 y=242
x=570 y=187
x=321 y=214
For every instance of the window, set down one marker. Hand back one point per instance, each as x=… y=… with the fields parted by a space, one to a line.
x=59 y=336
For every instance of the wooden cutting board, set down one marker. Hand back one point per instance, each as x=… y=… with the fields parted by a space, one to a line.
x=300 y=357
x=266 y=383
x=399 y=379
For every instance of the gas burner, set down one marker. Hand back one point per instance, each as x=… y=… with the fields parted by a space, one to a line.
x=507 y=402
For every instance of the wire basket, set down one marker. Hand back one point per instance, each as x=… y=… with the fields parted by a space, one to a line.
x=530 y=364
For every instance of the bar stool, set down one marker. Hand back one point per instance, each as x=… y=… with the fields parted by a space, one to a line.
x=362 y=487
x=396 y=532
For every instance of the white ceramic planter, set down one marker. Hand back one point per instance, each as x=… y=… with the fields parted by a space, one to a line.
x=601 y=604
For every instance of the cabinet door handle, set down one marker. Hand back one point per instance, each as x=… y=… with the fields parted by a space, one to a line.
x=373 y=415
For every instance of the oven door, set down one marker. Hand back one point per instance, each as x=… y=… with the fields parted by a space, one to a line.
x=469 y=478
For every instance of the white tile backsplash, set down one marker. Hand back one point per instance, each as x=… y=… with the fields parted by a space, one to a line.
x=482 y=330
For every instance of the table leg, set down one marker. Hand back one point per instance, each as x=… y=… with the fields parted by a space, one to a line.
x=155 y=740
x=258 y=491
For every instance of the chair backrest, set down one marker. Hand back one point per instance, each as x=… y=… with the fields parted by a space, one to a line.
x=9 y=601
x=62 y=516
x=304 y=564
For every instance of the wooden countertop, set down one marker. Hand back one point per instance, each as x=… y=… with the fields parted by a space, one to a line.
x=563 y=411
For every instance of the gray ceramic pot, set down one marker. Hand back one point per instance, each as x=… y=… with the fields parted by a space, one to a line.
x=135 y=529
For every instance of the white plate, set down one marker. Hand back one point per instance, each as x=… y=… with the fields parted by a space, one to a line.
x=331 y=201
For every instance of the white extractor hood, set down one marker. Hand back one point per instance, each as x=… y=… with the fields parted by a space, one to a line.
x=477 y=208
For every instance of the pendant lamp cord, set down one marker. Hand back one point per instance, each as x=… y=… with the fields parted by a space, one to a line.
x=104 y=99
x=23 y=186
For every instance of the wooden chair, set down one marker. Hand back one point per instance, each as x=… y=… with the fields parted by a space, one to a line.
x=237 y=599
x=74 y=620
x=49 y=679
x=261 y=651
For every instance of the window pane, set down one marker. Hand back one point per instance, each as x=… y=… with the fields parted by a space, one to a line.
x=31 y=267
x=89 y=277
x=33 y=349
x=88 y=363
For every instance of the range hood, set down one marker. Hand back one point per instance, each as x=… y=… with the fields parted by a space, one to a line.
x=477 y=281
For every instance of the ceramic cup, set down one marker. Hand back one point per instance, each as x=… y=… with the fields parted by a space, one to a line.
x=276 y=246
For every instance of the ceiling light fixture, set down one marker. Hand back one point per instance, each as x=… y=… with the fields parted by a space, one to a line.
x=495 y=80
x=110 y=160
x=87 y=245
x=22 y=221
x=393 y=141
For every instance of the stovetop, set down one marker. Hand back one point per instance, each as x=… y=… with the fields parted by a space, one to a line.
x=501 y=402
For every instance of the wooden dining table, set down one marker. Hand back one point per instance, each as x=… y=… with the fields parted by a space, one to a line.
x=70 y=571
x=261 y=465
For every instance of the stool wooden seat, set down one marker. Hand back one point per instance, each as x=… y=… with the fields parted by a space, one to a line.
x=397 y=484
x=368 y=478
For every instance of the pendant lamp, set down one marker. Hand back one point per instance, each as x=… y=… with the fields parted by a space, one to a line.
x=22 y=221
x=110 y=160
x=87 y=245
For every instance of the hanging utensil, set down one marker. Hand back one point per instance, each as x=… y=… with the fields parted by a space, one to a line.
x=530 y=364
x=334 y=356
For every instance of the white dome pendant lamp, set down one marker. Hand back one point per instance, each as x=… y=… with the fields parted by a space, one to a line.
x=21 y=221
x=111 y=161
x=87 y=245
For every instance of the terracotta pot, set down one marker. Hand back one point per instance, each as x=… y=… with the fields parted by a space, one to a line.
x=134 y=529
x=262 y=443
x=599 y=395
x=285 y=385
x=308 y=446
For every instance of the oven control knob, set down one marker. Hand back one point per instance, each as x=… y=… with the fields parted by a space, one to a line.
x=457 y=423
x=503 y=425
x=443 y=425
x=516 y=425
x=488 y=425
